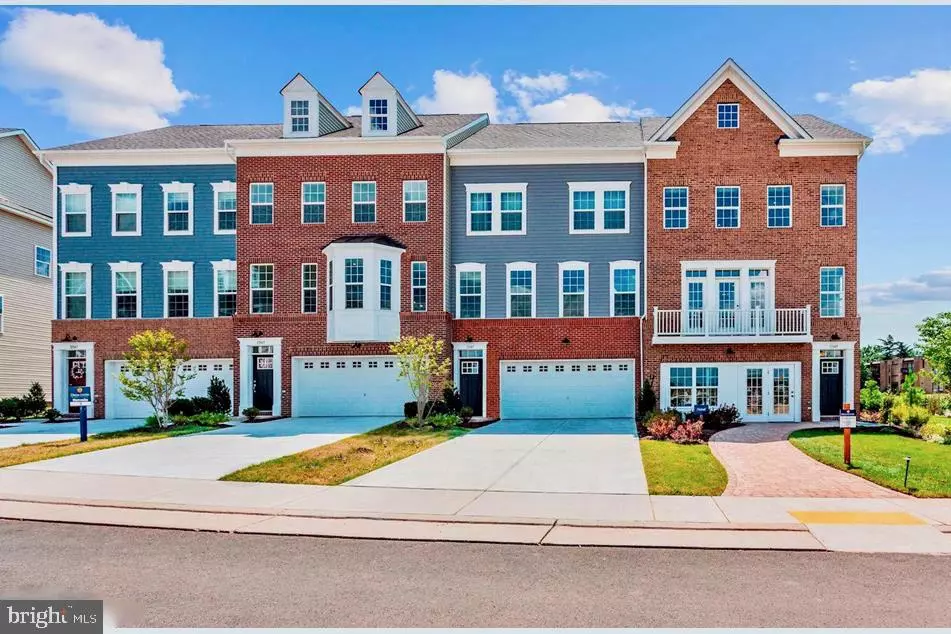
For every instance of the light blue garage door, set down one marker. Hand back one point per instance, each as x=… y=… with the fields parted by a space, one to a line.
x=568 y=389
x=348 y=386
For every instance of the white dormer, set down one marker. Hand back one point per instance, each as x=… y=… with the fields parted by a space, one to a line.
x=307 y=113
x=385 y=112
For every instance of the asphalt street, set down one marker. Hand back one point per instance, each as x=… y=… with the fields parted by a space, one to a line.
x=164 y=578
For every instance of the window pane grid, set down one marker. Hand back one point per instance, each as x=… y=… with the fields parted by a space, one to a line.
x=262 y=288
x=728 y=207
x=41 y=265
x=177 y=285
x=262 y=203
x=227 y=211
x=831 y=292
x=378 y=110
x=779 y=206
x=573 y=292
x=728 y=115
x=414 y=201
x=675 y=207
x=832 y=205
x=227 y=289
x=625 y=292
x=419 y=275
x=353 y=282
x=364 y=202
x=520 y=288
x=470 y=294
x=313 y=199
x=386 y=285
x=309 y=288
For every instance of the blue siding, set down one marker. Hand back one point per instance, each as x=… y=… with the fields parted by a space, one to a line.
x=547 y=241
x=151 y=248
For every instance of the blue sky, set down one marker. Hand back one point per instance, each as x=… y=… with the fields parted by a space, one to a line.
x=885 y=71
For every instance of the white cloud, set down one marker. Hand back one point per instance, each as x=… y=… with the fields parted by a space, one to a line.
x=585 y=74
x=582 y=107
x=933 y=286
x=461 y=93
x=103 y=78
x=823 y=97
x=353 y=111
x=902 y=109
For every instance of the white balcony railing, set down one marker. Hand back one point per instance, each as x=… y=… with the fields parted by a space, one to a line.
x=749 y=322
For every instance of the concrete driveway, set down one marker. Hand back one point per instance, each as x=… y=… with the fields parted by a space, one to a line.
x=547 y=456
x=211 y=455
x=34 y=431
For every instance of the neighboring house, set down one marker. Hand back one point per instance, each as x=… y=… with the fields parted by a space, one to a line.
x=26 y=292
x=712 y=252
x=891 y=373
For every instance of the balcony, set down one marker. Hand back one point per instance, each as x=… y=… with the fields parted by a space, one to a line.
x=751 y=325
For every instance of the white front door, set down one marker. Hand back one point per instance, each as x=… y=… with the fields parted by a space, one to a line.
x=770 y=393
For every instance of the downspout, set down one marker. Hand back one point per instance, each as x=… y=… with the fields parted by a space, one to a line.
x=644 y=274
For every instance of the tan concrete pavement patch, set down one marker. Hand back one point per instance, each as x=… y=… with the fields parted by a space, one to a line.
x=384 y=500
x=560 y=505
x=690 y=538
x=682 y=508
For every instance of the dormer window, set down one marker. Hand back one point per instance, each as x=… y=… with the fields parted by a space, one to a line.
x=728 y=115
x=384 y=111
x=307 y=113
x=300 y=115
x=379 y=115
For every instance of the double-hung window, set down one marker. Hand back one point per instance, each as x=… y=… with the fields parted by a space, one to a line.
x=624 y=288
x=76 y=203
x=694 y=386
x=364 y=201
x=77 y=300
x=179 y=208
x=308 y=288
x=126 y=290
x=521 y=289
x=386 y=285
x=728 y=115
x=419 y=283
x=262 y=289
x=379 y=115
x=832 y=291
x=313 y=201
x=832 y=205
x=226 y=288
x=300 y=115
x=178 y=288
x=41 y=261
x=496 y=209
x=261 y=197
x=708 y=386
x=353 y=282
x=226 y=207
x=728 y=207
x=573 y=289
x=414 y=201
x=126 y=209
x=681 y=387
x=599 y=207
x=470 y=289
x=779 y=206
x=676 y=207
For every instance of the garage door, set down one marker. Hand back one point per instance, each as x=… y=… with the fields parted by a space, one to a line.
x=348 y=386
x=568 y=389
x=118 y=406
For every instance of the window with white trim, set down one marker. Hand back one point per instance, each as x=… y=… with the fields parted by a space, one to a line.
x=300 y=115
x=496 y=209
x=42 y=259
x=420 y=274
x=262 y=289
x=386 y=285
x=77 y=300
x=364 y=201
x=226 y=207
x=728 y=115
x=126 y=290
x=624 y=288
x=353 y=282
x=832 y=291
x=379 y=114
x=179 y=207
x=832 y=205
x=414 y=201
x=308 y=283
x=691 y=386
x=470 y=291
x=76 y=203
x=520 y=278
x=126 y=209
x=178 y=288
x=599 y=207
x=226 y=288
x=573 y=289
x=779 y=206
x=261 y=197
x=676 y=207
x=313 y=202
x=727 y=207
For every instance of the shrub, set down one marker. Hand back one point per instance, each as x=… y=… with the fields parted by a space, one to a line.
x=410 y=409
x=912 y=416
x=465 y=413
x=12 y=408
x=202 y=404
x=871 y=397
x=433 y=408
x=911 y=394
x=936 y=431
x=443 y=421
x=888 y=402
x=720 y=417
x=34 y=401
x=687 y=433
x=51 y=414
x=251 y=413
x=934 y=403
x=946 y=403
x=181 y=407
x=220 y=396
x=646 y=399
x=660 y=425
x=452 y=399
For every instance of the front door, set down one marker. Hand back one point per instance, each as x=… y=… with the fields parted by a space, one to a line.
x=727 y=304
x=830 y=386
x=470 y=384
x=76 y=368
x=263 y=387
x=769 y=394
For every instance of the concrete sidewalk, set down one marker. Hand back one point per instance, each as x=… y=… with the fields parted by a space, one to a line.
x=30 y=432
x=847 y=524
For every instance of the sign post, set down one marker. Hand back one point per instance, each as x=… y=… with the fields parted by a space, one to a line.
x=847 y=421
x=81 y=396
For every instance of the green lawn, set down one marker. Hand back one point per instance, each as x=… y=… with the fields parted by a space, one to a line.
x=348 y=458
x=879 y=455
x=674 y=469
x=59 y=448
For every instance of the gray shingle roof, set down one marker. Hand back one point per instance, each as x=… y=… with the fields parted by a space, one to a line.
x=5 y=130
x=819 y=128
x=214 y=136
x=611 y=134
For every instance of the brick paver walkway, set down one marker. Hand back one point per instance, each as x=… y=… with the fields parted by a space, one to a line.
x=762 y=463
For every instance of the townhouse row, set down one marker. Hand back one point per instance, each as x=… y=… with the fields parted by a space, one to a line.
x=712 y=253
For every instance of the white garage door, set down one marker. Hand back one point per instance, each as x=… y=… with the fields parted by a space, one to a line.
x=568 y=389
x=118 y=406
x=348 y=386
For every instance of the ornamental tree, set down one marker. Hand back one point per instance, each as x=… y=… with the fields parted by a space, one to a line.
x=935 y=341
x=424 y=367
x=153 y=371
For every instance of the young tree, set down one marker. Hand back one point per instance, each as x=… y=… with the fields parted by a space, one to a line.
x=422 y=363
x=153 y=371
x=934 y=335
